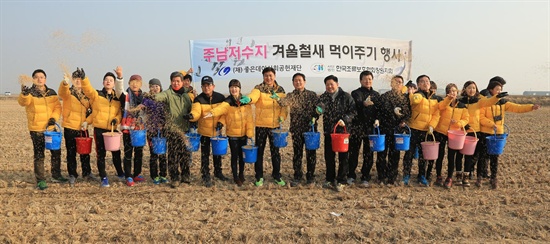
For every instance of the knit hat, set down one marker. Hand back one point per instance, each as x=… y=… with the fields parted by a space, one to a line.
x=135 y=77
x=207 y=80
x=155 y=81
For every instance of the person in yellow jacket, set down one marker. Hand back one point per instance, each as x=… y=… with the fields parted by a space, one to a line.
x=106 y=115
x=43 y=110
x=269 y=115
x=424 y=117
x=453 y=116
x=492 y=121
x=239 y=127
x=474 y=102
x=207 y=127
x=76 y=108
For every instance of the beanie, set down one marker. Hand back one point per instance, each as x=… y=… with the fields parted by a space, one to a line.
x=135 y=77
x=155 y=81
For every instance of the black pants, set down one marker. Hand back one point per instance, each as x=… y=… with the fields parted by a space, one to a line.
x=262 y=135
x=388 y=168
x=70 y=144
x=237 y=161
x=178 y=156
x=355 y=142
x=205 y=159
x=442 y=139
x=471 y=160
x=454 y=158
x=417 y=136
x=39 y=147
x=482 y=163
x=157 y=162
x=138 y=157
x=101 y=153
x=330 y=159
x=298 y=145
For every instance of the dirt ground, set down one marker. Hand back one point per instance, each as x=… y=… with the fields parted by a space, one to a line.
x=518 y=211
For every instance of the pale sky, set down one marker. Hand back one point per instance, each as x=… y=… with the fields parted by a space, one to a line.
x=452 y=41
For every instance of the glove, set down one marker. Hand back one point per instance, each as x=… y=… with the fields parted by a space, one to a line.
x=245 y=100
x=281 y=120
x=431 y=130
x=341 y=123
x=275 y=96
x=81 y=73
x=312 y=122
x=84 y=126
x=502 y=94
x=368 y=102
x=208 y=115
x=319 y=110
x=188 y=116
x=219 y=126
x=467 y=127
x=51 y=122
x=25 y=90
x=376 y=123
x=66 y=79
x=397 y=111
x=113 y=122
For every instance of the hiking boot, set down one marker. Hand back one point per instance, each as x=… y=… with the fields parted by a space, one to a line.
x=59 y=179
x=156 y=180
x=295 y=183
x=310 y=181
x=164 y=180
x=280 y=182
x=423 y=181
x=221 y=177
x=328 y=184
x=42 y=185
x=241 y=177
x=406 y=179
x=90 y=177
x=458 y=177
x=208 y=183
x=129 y=181
x=72 y=180
x=175 y=183
x=465 y=181
x=259 y=182
x=105 y=182
x=364 y=184
x=448 y=183
x=350 y=181
x=478 y=181
x=439 y=181
x=238 y=182
x=339 y=187
x=494 y=183
x=139 y=178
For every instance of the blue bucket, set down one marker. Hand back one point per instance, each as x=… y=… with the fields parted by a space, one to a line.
x=159 y=144
x=496 y=143
x=219 y=145
x=52 y=139
x=194 y=141
x=402 y=141
x=138 y=137
x=279 y=138
x=250 y=153
x=313 y=140
x=377 y=142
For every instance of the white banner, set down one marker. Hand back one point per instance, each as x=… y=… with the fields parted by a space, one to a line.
x=244 y=58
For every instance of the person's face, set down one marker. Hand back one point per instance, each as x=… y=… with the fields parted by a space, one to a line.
x=186 y=83
x=496 y=90
x=208 y=89
x=453 y=92
x=424 y=84
x=299 y=83
x=366 y=81
x=77 y=82
x=176 y=83
x=154 y=89
x=471 y=90
x=331 y=86
x=109 y=82
x=235 y=91
x=396 y=84
x=135 y=85
x=269 y=78
x=39 y=79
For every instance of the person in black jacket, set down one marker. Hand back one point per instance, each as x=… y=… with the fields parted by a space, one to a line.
x=303 y=117
x=364 y=98
x=393 y=110
x=337 y=107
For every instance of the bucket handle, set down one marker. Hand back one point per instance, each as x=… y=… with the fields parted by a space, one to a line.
x=374 y=130
x=395 y=129
x=336 y=125
x=84 y=131
x=471 y=129
x=158 y=133
x=56 y=124
x=250 y=142
x=426 y=138
x=507 y=128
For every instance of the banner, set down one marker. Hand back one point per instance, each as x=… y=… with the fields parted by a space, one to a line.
x=244 y=58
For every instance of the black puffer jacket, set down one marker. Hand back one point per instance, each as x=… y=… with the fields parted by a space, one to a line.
x=365 y=115
x=302 y=108
x=341 y=108
x=385 y=110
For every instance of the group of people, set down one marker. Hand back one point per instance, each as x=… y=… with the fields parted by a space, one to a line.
x=178 y=110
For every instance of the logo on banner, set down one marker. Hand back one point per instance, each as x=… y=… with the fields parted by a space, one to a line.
x=318 y=68
x=224 y=71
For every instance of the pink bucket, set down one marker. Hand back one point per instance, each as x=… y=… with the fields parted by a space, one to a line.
x=456 y=139
x=469 y=145
x=430 y=149
x=112 y=140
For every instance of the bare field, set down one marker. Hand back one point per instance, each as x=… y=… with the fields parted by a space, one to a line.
x=516 y=212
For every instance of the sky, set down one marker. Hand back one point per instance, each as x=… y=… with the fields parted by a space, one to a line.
x=452 y=41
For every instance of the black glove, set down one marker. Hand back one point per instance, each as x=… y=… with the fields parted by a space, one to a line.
x=81 y=73
x=51 y=122
x=219 y=126
x=188 y=116
x=467 y=127
x=25 y=90
x=113 y=122
x=502 y=94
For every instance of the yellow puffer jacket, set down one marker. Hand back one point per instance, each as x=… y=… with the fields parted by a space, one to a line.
x=268 y=110
x=105 y=107
x=74 y=109
x=488 y=114
x=40 y=107
x=474 y=104
x=202 y=105
x=238 y=118
x=447 y=112
x=424 y=110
